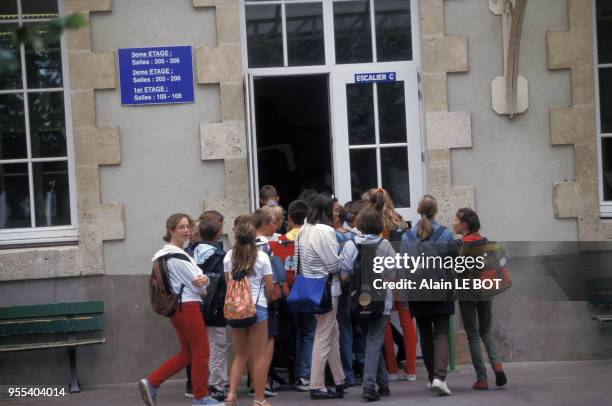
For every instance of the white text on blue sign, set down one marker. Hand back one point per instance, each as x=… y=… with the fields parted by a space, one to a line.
x=375 y=77
x=158 y=75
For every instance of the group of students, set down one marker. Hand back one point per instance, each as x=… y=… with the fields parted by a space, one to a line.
x=317 y=237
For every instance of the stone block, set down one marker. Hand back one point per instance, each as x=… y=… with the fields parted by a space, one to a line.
x=228 y=25
x=566 y=199
x=216 y=65
x=583 y=83
x=432 y=17
x=38 y=263
x=445 y=54
x=105 y=221
x=83 y=108
x=80 y=40
x=435 y=92
x=89 y=70
x=225 y=140
x=448 y=130
x=91 y=257
x=585 y=157
x=84 y=6
x=109 y=148
x=231 y=209
x=232 y=101
x=438 y=168
x=569 y=125
x=236 y=179
x=87 y=184
x=212 y=3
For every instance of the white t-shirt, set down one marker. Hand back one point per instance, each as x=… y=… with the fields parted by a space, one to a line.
x=262 y=268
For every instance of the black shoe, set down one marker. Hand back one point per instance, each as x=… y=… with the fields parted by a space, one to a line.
x=370 y=395
x=340 y=390
x=188 y=391
x=318 y=394
x=384 y=391
x=216 y=393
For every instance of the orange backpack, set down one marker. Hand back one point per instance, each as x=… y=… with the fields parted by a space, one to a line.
x=239 y=307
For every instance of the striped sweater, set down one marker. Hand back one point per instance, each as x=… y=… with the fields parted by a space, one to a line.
x=318 y=249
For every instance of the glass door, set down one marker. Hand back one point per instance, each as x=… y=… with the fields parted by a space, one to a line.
x=377 y=141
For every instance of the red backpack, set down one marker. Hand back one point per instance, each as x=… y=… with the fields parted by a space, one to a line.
x=163 y=300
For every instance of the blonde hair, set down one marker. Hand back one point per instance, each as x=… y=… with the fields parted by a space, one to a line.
x=380 y=200
x=428 y=208
x=276 y=212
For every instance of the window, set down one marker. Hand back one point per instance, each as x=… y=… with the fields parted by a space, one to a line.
x=281 y=33
x=603 y=73
x=37 y=200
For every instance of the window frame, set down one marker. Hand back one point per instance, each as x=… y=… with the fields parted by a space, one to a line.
x=53 y=234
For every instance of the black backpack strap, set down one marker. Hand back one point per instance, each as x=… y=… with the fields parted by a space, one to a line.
x=163 y=268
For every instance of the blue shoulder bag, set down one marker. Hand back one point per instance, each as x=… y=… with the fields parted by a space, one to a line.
x=310 y=295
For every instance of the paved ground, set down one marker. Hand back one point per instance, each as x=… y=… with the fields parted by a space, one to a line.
x=535 y=383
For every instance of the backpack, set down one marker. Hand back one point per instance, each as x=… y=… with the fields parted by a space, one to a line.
x=495 y=268
x=435 y=276
x=239 y=308
x=212 y=304
x=285 y=251
x=163 y=300
x=365 y=301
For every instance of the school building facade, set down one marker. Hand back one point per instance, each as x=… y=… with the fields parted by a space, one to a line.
x=500 y=105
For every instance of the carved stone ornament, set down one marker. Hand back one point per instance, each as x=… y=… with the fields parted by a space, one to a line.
x=510 y=93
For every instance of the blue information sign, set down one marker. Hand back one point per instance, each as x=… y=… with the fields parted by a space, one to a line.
x=159 y=75
x=375 y=77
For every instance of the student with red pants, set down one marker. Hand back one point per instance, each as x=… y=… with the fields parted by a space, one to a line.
x=409 y=340
x=185 y=277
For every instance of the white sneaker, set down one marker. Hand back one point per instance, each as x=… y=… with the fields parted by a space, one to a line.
x=440 y=387
x=399 y=376
x=429 y=385
x=411 y=377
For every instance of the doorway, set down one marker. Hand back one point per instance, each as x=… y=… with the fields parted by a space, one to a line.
x=293 y=134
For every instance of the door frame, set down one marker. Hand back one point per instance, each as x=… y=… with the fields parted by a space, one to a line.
x=407 y=73
x=329 y=69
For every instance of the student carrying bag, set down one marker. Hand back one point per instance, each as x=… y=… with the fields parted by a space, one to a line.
x=310 y=295
x=163 y=301
x=239 y=308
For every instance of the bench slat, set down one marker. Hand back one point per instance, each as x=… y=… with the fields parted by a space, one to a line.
x=42 y=326
x=56 y=344
x=49 y=310
x=603 y=317
x=599 y=298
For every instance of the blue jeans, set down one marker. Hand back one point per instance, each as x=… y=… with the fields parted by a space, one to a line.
x=346 y=337
x=305 y=325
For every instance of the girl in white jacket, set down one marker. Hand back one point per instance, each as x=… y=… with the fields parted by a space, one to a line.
x=186 y=277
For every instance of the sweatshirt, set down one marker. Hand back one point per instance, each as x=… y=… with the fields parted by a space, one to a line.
x=181 y=272
x=349 y=255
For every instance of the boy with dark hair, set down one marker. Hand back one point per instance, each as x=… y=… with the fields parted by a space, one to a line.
x=304 y=324
x=209 y=255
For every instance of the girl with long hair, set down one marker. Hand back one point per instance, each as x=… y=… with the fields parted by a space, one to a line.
x=478 y=315
x=244 y=260
x=317 y=249
x=432 y=317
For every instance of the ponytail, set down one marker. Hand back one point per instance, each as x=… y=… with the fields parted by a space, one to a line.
x=428 y=208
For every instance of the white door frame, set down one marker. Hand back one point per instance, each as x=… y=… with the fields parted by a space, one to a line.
x=330 y=68
x=406 y=73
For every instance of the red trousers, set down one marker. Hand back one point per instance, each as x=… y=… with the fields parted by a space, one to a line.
x=191 y=332
x=409 y=336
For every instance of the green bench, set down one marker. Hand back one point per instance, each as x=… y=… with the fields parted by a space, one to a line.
x=49 y=326
x=599 y=296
